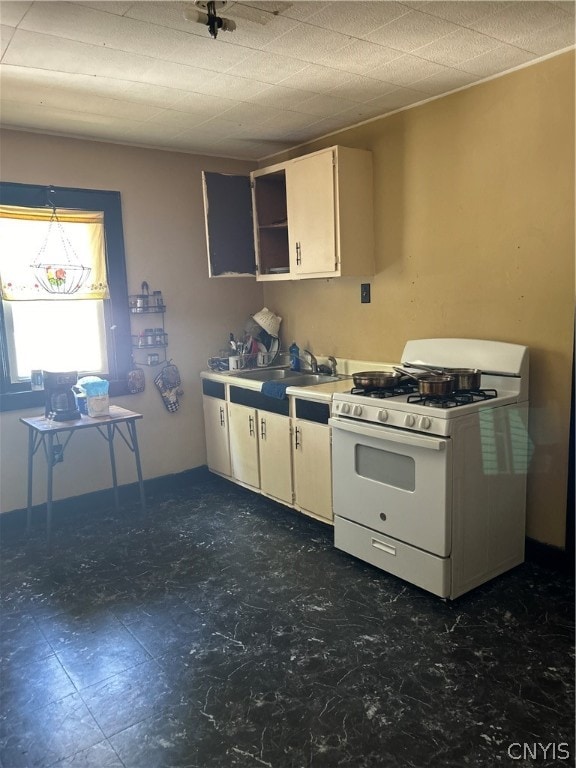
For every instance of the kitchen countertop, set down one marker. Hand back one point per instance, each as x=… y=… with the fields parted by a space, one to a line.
x=321 y=392
x=227 y=377
x=316 y=392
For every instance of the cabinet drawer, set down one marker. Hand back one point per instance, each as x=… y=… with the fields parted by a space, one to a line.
x=309 y=410
x=420 y=568
x=253 y=399
x=214 y=389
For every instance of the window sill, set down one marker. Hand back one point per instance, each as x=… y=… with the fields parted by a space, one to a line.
x=20 y=401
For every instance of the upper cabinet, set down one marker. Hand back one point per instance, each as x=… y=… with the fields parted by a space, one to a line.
x=330 y=213
x=311 y=217
x=270 y=217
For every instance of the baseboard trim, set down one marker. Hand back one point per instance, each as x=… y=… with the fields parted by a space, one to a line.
x=102 y=499
x=550 y=557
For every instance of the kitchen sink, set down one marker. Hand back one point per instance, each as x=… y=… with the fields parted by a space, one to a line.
x=267 y=374
x=294 y=378
x=307 y=379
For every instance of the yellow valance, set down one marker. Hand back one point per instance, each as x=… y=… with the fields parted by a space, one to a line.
x=52 y=254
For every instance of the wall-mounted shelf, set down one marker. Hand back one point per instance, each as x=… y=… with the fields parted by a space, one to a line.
x=146 y=339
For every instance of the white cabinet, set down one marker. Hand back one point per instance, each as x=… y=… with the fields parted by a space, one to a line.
x=216 y=427
x=244 y=444
x=260 y=451
x=279 y=448
x=215 y=409
x=275 y=456
x=330 y=216
x=312 y=217
x=271 y=237
x=312 y=469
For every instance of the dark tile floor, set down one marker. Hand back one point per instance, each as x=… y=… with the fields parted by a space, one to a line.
x=223 y=630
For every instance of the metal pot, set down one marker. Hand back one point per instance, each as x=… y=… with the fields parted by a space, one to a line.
x=466 y=378
x=436 y=384
x=377 y=379
x=432 y=384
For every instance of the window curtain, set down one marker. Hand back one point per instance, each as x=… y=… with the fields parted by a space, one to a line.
x=37 y=249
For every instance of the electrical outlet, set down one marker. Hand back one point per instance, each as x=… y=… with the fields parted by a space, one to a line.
x=365 y=293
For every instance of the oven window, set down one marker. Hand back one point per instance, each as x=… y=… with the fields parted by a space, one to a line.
x=386 y=467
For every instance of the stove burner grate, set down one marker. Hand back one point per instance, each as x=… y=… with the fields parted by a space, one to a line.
x=405 y=388
x=453 y=400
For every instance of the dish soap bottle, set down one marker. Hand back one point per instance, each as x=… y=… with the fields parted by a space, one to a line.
x=294 y=357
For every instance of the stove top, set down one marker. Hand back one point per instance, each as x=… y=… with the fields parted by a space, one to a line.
x=453 y=400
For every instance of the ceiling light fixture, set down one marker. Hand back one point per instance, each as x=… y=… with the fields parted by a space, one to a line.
x=210 y=18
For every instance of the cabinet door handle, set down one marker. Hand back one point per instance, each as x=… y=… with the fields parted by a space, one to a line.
x=263 y=429
x=251 y=425
x=298 y=254
x=222 y=422
x=297 y=442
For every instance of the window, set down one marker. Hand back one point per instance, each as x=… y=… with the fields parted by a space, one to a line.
x=90 y=335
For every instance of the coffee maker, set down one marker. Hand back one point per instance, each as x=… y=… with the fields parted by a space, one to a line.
x=60 y=404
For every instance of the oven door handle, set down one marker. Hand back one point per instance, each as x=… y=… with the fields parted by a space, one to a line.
x=384 y=433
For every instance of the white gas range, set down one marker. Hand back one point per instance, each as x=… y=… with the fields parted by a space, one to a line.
x=433 y=490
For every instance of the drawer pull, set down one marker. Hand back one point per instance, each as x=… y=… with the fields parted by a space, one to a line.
x=384 y=547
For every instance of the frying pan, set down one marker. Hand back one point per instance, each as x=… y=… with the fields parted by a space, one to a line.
x=377 y=379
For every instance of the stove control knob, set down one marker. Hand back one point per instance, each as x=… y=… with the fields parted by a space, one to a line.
x=425 y=422
x=382 y=415
x=357 y=410
x=345 y=408
x=409 y=420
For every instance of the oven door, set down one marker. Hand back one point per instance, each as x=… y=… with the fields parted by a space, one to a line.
x=393 y=481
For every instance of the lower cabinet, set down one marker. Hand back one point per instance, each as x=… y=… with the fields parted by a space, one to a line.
x=260 y=451
x=312 y=469
x=285 y=457
x=217 y=441
x=244 y=444
x=275 y=456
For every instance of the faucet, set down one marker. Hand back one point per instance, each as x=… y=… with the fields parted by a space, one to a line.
x=333 y=364
x=313 y=361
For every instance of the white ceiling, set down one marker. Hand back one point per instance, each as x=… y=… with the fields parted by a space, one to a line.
x=139 y=73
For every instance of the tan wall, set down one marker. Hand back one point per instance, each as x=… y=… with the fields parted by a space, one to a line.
x=165 y=245
x=474 y=201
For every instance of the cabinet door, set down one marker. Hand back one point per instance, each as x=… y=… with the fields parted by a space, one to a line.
x=310 y=185
x=313 y=468
x=244 y=444
x=216 y=427
x=229 y=225
x=275 y=458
